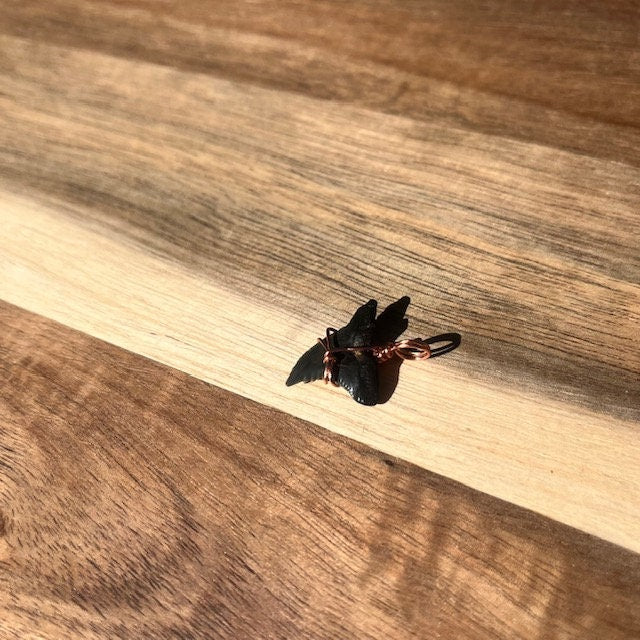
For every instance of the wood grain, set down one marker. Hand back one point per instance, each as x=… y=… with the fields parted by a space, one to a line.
x=138 y=502
x=560 y=459
x=562 y=74
x=170 y=202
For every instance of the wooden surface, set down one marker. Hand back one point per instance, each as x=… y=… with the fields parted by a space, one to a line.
x=211 y=185
x=138 y=502
x=170 y=208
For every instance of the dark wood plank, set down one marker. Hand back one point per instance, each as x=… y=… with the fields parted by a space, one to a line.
x=137 y=502
x=562 y=74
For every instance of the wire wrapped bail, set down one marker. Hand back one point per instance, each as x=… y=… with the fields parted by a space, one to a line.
x=412 y=349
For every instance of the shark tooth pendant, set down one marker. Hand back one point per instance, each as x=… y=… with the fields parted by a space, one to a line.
x=349 y=357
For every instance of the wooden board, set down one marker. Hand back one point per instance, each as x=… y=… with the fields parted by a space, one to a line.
x=219 y=226
x=138 y=502
x=561 y=74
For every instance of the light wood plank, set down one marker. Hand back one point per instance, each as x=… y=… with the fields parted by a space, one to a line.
x=565 y=461
x=138 y=502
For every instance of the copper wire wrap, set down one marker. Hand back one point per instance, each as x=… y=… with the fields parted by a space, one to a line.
x=329 y=360
x=406 y=349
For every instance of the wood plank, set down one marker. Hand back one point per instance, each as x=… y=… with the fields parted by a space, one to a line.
x=563 y=74
x=170 y=212
x=138 y=502
x=563 y=460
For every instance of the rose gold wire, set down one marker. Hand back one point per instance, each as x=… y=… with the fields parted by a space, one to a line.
x=414 y=349
x=329 y=360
